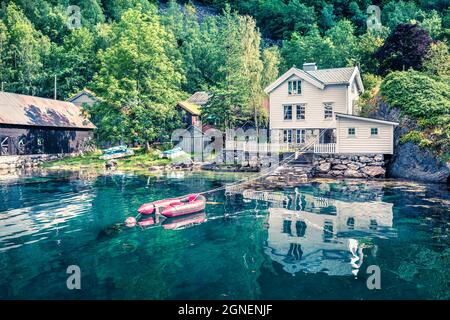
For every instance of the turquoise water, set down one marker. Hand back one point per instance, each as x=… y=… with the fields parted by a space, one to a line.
x=311 y=242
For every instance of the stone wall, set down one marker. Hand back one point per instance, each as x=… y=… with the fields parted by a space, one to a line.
x=349 y=165
x=11 y=163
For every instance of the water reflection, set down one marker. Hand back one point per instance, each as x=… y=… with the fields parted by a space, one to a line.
x=315 y=233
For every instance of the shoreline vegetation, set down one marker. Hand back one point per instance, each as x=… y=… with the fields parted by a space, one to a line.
x=141 y=160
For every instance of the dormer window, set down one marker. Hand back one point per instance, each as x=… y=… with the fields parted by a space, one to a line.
x=295 y=87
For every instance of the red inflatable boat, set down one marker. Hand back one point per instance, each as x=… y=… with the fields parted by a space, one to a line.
x=184 y=221
x=175 y=207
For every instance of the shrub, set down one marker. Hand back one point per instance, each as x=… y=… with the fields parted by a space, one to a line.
x=416 y=94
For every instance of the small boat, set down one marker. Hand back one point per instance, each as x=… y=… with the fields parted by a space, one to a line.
x=172 y=153
x=116 y=153
x=175 y=207
x=184 y=221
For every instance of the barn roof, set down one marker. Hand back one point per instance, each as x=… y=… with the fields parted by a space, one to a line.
x=195 y=102
x=190 y=107
x=18 y=109
x=81 y=93
x=199 y=98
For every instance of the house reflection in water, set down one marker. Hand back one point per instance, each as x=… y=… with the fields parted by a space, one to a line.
x=314 y=234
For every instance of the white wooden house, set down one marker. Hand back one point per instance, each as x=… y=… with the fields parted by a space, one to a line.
x=315 y=110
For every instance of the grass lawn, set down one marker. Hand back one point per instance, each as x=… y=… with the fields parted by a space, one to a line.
x=139 y=160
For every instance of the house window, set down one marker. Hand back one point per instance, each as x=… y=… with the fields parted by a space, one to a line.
x=373 y=131
x=21 y=145
x=300 y=135
x=328 y=111
x=351 y=132
x=295 y=87
x=287 y=136
x=301 y=108
x=287 y=112
x=287 y=227
x=4 y=145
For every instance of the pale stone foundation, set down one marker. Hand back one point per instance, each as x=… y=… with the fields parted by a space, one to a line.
x=349 y=165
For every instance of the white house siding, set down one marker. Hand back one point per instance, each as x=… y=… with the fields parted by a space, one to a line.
x=314 y=98
x=353 y=96
x=363 y=142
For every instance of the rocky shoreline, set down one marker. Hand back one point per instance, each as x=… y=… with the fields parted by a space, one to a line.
x=12 y=163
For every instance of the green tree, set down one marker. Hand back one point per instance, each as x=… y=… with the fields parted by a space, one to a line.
x=437 y=60
x=237 y=91
x=138 y=82
x=433 y=24
x=357 y=16
x=74 y=62
x=24 y=52
x=327 y=17
x=271 y=59
x=114 y=9
x=397 y=12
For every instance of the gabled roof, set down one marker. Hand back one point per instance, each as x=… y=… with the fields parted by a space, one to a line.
x=190 y=107
x=199 y=98
x=82 y=92
x=322 y=77
x=294 y=72
x=18 y=109
x=195 y=102
x=333 y=76
x=349 y=116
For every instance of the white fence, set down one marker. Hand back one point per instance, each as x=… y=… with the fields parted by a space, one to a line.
x=325 y=148
x=255 y=147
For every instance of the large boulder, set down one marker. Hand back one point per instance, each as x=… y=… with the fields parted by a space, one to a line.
x=353 y=174
x=364 y=159
x=340 y=167
x=412 y=162
x=353 y=166
x=325 y=167
x=374 y=171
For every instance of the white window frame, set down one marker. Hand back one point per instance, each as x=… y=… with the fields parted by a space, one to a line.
x=374 y=134
x=300 y=136
x=326 y=109
x=298 y=87
x=302 y=108
x=285 y=113
x=349 y=135
x=287 y=135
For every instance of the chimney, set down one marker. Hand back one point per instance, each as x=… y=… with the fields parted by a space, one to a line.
x=311 y=66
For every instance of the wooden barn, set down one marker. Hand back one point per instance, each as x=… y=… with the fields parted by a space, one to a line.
x=191 y=109
x=33 y=125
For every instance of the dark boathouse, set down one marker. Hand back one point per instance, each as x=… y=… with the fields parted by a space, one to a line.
x=32 y=125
